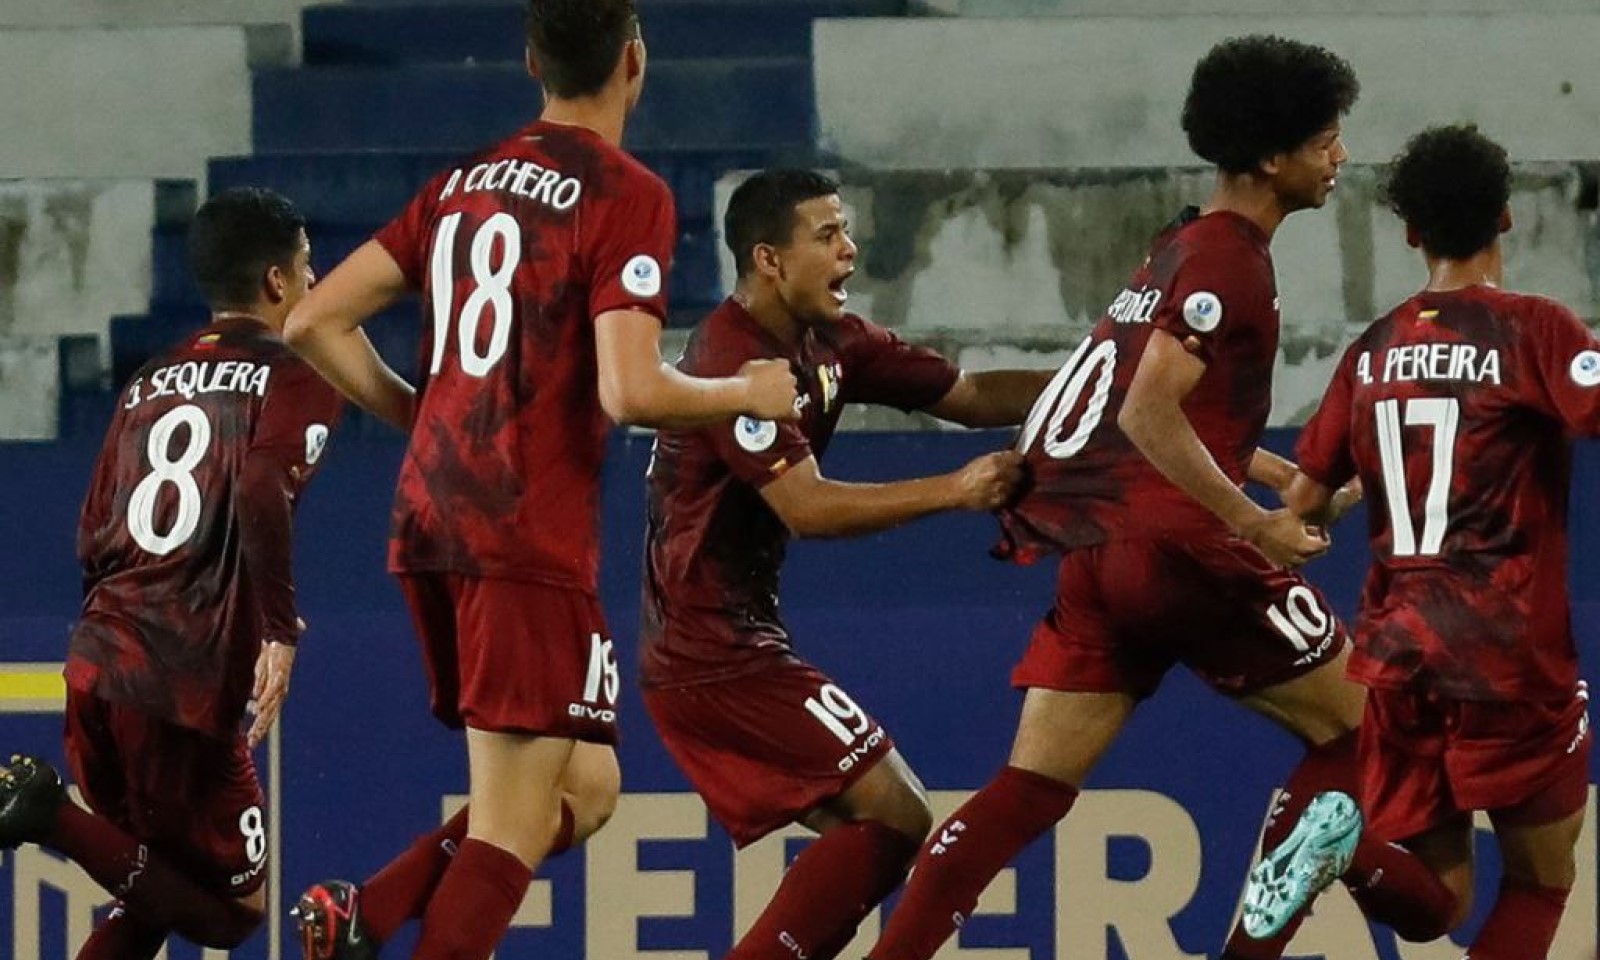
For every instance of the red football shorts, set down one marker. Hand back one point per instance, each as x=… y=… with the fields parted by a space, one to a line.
x=765 y=748
x=515 y=657
x=193 y=800
x=1427 y=760
x=1125 y=612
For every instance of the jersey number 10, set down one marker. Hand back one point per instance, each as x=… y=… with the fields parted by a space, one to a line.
x=491 y=290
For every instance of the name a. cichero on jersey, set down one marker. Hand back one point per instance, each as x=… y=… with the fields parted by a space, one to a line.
x=194 y=377
x=524 y=178
x=1434 y=361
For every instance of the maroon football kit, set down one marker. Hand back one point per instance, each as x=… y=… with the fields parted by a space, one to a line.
x=1457 y=411
x=1149 y=577
x=761 y=734
x=517 y=252
x=185 y=544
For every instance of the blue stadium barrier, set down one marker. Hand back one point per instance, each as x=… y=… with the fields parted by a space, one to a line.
x=449 y=107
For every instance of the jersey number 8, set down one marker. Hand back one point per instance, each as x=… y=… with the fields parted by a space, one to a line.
x=164 y=470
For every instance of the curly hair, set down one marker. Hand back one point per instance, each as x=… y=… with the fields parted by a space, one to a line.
x=1450 y=184
x=761 y=210
x=1253 y=97
x=577 y=43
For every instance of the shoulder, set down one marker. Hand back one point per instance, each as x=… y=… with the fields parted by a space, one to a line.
x=720 y=344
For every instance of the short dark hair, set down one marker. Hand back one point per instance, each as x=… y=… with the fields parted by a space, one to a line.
x=235 y=237
x=577 y=43
x=1450 y=184
x=1254 y=97
x=761 y=210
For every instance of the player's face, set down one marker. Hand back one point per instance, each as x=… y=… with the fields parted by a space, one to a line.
x=300 y=277
x=1306 y=175
x=818 y=259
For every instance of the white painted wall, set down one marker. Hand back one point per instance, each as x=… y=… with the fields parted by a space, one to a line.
x=143 y=102
x=130 y=13
x=954 y=93
x=1169 y=8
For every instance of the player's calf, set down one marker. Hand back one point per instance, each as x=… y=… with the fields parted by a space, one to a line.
x=30 y=793
x=328 y=919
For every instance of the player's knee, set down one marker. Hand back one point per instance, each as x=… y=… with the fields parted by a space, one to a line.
x=592 y=793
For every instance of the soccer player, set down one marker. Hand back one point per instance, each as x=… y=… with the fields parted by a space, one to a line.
x=188 y=615
x=542 y=262
x=766 y=738
x=1456 y=411
x=1138 y=451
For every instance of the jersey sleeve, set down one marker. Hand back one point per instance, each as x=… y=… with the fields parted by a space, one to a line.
x=406 y=236
x=1215 y=293
x=629 y=248
x=1323 y=451
x=884 y=369
x=1564 y=380
x=290 y=437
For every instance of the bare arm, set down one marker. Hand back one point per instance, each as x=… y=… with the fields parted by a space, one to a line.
x=637 y=387
x=992 y=398
x=1270 y=470
x=1152 y=417
x=811 y=505
x=325 y=328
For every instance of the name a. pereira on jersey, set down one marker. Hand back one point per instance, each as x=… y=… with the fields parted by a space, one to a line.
x=1434 y=361
x=194 y=377
x=523 y=178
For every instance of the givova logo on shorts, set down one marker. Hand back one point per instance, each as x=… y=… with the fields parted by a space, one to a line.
x=600 y=686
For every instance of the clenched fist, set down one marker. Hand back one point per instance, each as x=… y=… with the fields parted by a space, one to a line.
x=770 y=389
x=988 y=482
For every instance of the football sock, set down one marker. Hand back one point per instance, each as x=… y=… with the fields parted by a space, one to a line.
x=1331 y=766
x=1398 y=890
x=469 y=913
x=964 y=855
x=835 y=882
x=155 y=893
x=401 y=890
x=1522 y=925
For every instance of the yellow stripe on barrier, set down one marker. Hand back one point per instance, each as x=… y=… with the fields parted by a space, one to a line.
x=31 y=688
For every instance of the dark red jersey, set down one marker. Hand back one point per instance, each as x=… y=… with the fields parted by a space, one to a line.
x=185 y=537
x=1208 y=280
x=1456 y=410
x=710 y=601
x=516 y=252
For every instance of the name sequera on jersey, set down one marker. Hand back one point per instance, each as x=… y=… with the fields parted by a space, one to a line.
x=194 y=377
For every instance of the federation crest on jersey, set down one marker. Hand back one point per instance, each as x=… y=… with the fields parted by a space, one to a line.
x=1202 y=311
x=642 y=276
x=316 y=442
x=1585 y=368
x=754 y=435
x=828 y=377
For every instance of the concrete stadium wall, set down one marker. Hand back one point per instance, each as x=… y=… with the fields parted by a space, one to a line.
x=73 y=253
x=147 y=102
x=1106 y=92
x=147 y=13
x=1007 y=267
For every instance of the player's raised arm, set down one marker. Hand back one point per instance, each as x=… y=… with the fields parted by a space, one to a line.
x=811 y=505
x=326 y=329
x=992 y=398
x=638 y=387
x=1152 y=417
